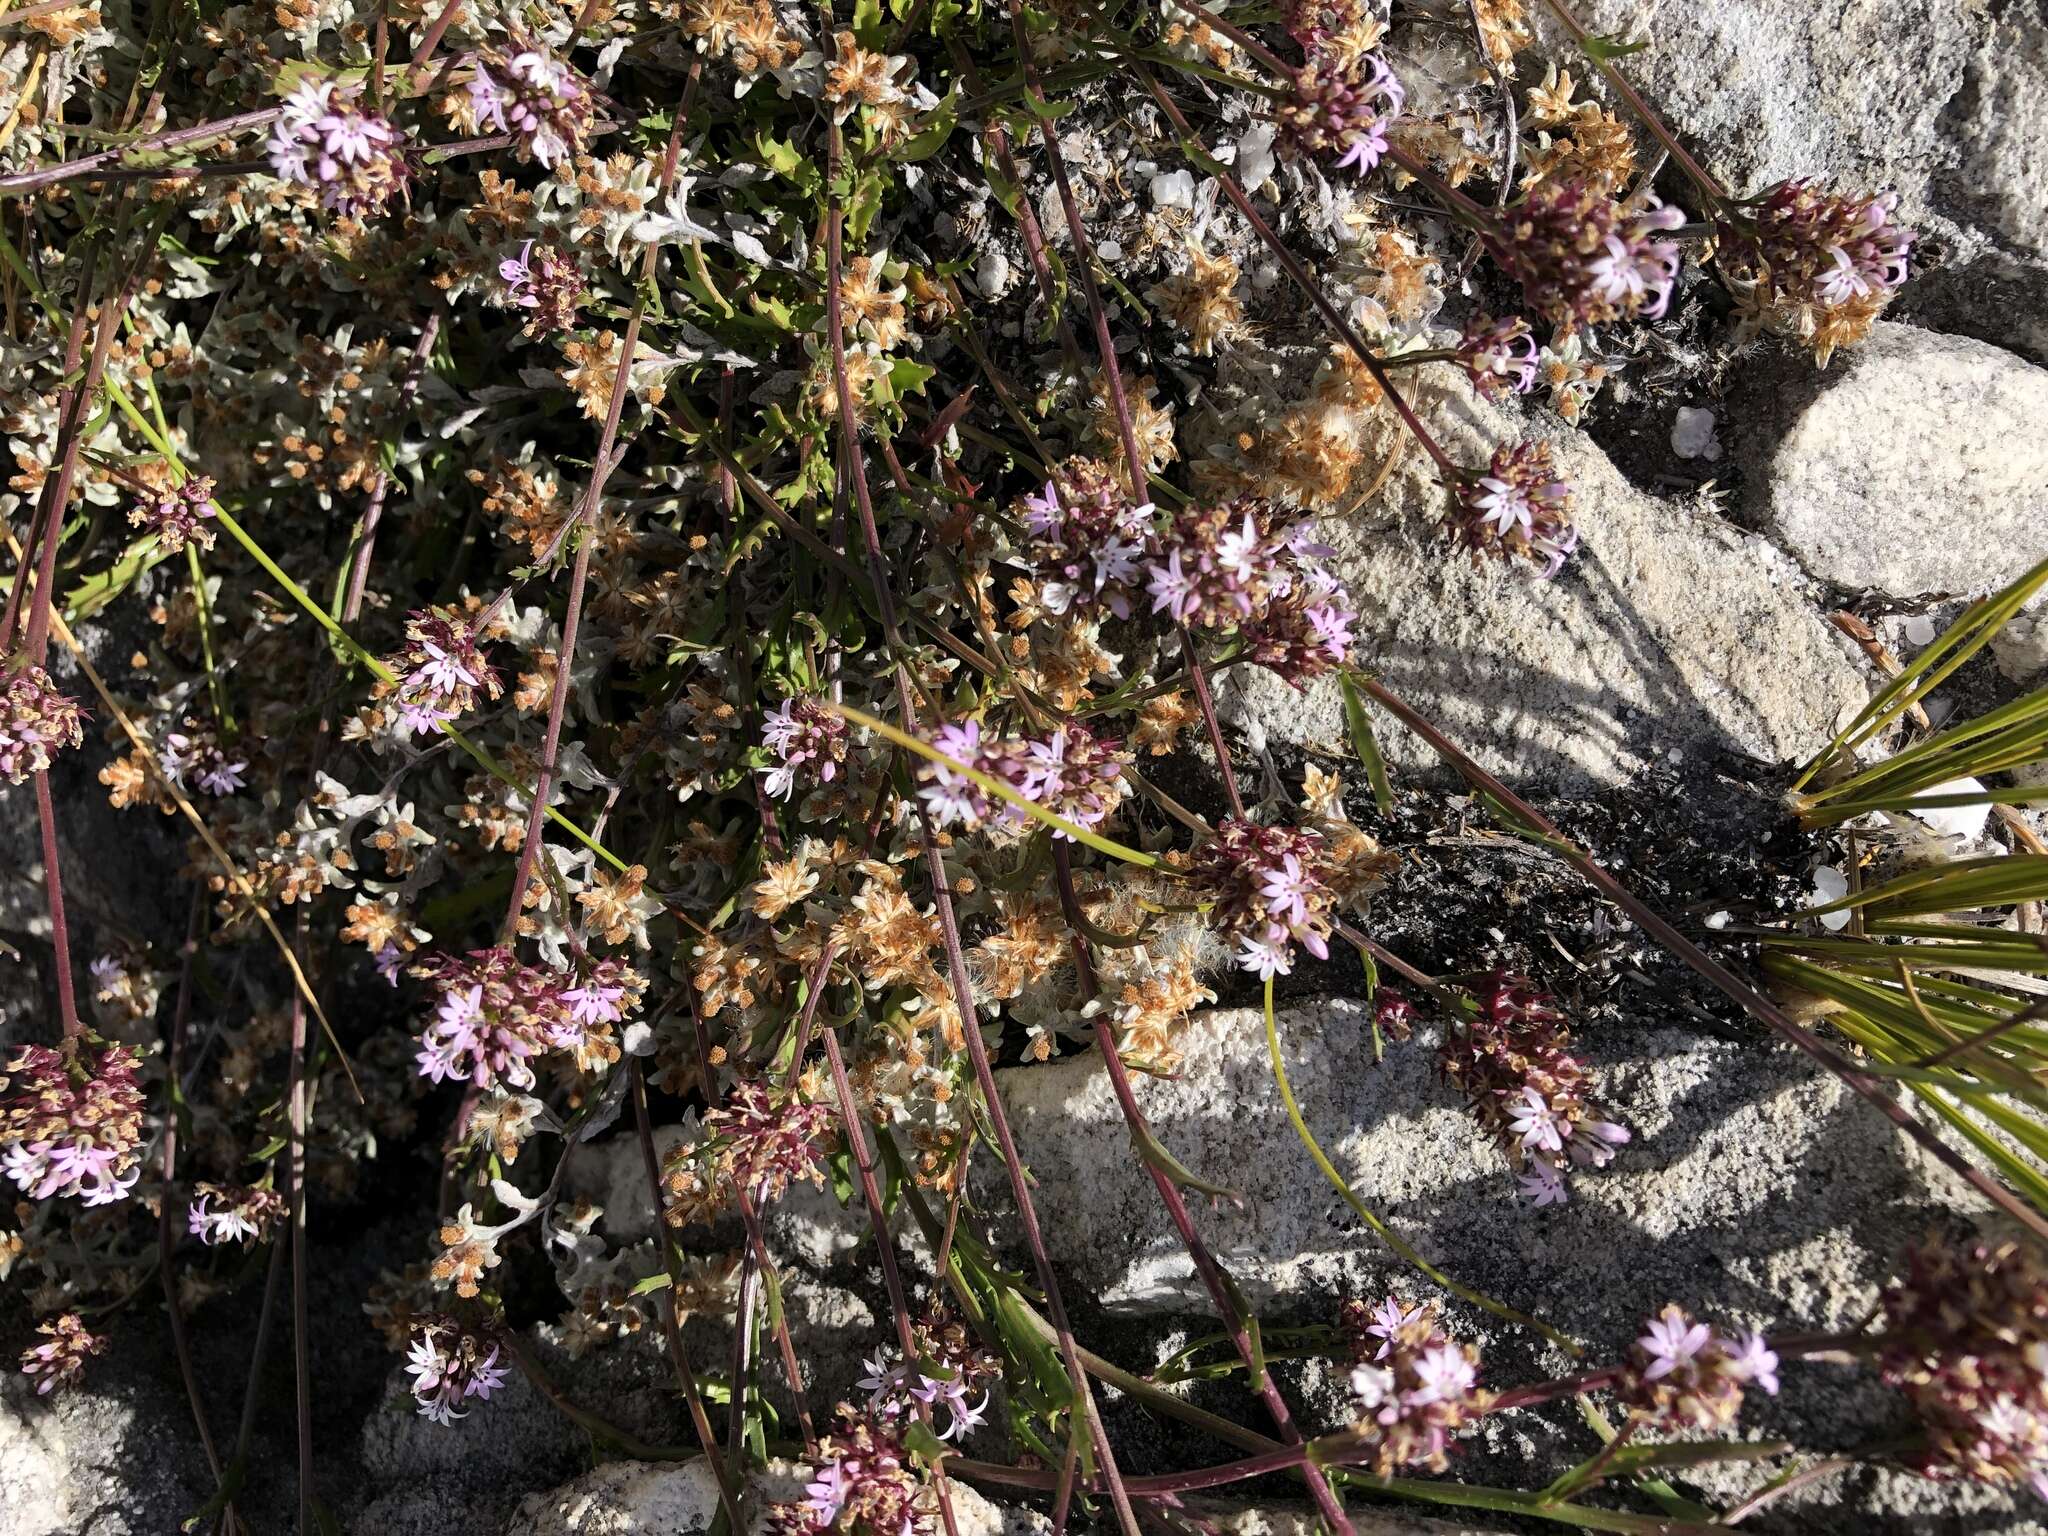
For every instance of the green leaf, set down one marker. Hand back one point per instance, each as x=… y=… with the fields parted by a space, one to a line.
x=1048 y=112
x=1366 y=745
x=866 y=203
x=1605 y=48
x=938 y=128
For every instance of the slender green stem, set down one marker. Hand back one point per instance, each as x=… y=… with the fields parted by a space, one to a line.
x=1385 y=1233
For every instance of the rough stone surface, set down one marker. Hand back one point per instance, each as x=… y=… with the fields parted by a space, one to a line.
x=1941 y=100
x=1915 y=465
x=1756 y=1186
x=651 y=1499
x=36 y=1497
x=423 y=1470
x=1669 y=635
x=2021 y=648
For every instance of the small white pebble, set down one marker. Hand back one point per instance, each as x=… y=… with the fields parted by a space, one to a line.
x=1692 y=434
x=1830 y=884
x=992 y=273
x=1255 y=160
x=1965 y=821
x=1173 y=189
x=1719 y=920
x=1919 y=630
x=1110 y=250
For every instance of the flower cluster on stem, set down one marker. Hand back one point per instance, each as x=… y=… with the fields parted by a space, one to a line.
x=1248 y=566
x=177 y=514
x=802 y=733
x=1269 y=889
x=1414 y=1387
x=864 y=1482
x=71 y=1121
x=1500 y=357
x=1071 y=772
x=1087 y=539
x=233 y=1213
x=761 y=1141
x=59 y=1362
x=1520 y=506
x=37 y=721
x=494 y=1014
x=536 y=98
x=442 y=671
x=194 y=759
x=1517 y=1072
x=950 y=1374
x=1813 y=264
x=1584 y=259
x=449 y=1364
x=1341 y=106
x=1683 y=1375
x=546 y=285
x=1966 y=1339
x=326 y=139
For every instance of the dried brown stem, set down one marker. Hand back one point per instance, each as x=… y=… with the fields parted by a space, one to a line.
x=173 y=138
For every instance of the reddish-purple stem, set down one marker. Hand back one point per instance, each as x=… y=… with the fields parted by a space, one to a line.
x=1700 y=176
x=1027 y=217
x=1113 y=382
x=1308 y=285
x=758 y=1241
x=67 y=170
x=1251 y=45
x=963 y=991
x=408 y=390
x=878 y=1223
x=671 y=1316
x=299 y=1109
x=1213 y=1279
x=579 y=575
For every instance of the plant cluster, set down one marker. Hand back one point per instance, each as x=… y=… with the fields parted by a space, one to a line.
x=622 y=638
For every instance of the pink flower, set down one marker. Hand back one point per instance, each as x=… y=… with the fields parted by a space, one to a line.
x=60 y=1362
x=1756 y=1361
x=1671 y=1341
x=1343 y=107
x=802 y=733
x=449 y=1365
x=1269 y=888
x=1500 y=356
x=71 y=1122
x=322 y=137
x=36 y=722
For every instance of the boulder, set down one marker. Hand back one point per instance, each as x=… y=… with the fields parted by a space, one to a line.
x=1915 y=465
x=1669 y=637
x=1757 y=1189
